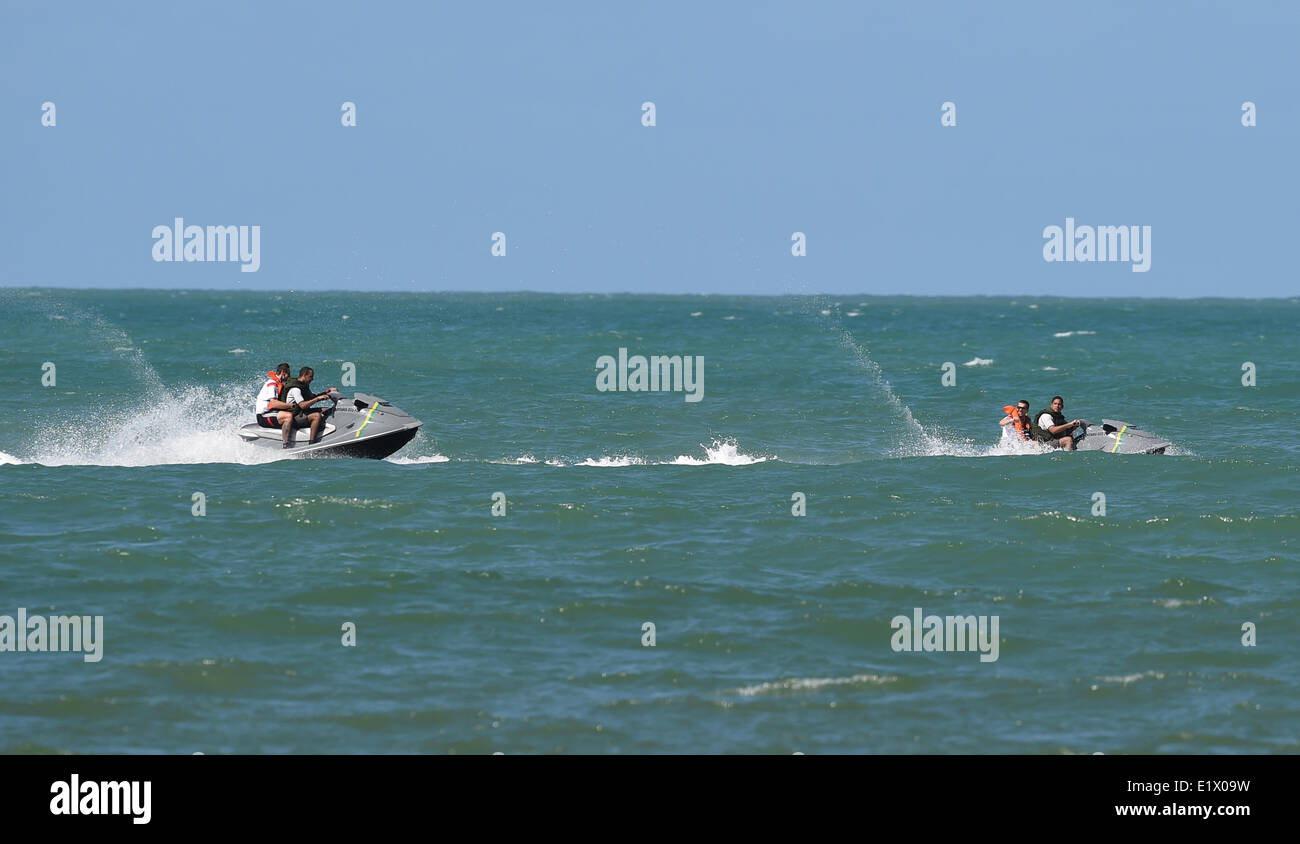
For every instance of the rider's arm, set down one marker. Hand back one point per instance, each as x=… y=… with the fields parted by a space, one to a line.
x=1053 y=430
x=317 y=397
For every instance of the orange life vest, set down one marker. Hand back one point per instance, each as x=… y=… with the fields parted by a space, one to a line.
x=1020 y=423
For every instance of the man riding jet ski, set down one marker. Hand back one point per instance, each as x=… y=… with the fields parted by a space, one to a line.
x=296 y=392
x=1050 y=427
x=284 y=403
x=270 y=411
x=363 y=426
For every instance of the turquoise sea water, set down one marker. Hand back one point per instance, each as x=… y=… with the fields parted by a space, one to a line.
x=1119 y=633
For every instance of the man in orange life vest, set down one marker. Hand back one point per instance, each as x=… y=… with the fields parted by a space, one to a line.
x=271 y=411
x=1018 y=416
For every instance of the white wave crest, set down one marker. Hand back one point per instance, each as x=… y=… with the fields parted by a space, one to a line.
x=797 y=684
x=617 y=461
x=521 y=460
x=417 y=461
x=724 y=452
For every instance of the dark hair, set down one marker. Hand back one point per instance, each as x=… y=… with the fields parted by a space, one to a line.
x=305 y=370
x=283 y=368
x=1025 y=402
x=1054 y=398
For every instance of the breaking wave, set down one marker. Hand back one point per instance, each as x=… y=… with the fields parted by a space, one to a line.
x=607 y=462
x=723 y=452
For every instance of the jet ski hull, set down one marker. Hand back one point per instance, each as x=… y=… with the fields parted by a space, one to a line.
x=1115 y=437
x=362 y=426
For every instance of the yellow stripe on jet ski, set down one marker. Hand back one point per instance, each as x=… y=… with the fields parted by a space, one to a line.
x=1118 y=437
x=367 y=422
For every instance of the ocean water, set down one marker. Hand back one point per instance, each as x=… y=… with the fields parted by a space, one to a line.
x=1119 y=632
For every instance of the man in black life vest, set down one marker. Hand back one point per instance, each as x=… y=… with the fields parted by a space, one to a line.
x=1049 y=426
x=296 y=392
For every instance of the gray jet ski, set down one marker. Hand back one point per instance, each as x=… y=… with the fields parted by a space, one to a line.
x=361 y=426
x=1120 y=438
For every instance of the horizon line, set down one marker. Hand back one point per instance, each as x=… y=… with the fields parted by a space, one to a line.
x=1292 y=297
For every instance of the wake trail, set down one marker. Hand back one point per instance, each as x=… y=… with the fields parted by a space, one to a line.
x=147 y=423
x=910 y=438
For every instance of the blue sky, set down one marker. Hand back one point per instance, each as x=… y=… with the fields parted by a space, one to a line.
x=772 y=118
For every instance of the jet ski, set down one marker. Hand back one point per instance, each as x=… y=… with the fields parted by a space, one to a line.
x=361 y=426
x=1119 y=438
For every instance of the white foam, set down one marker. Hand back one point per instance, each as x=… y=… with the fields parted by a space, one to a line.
x=359 y=503
x=161 y=427
x=978 y=362
x=1071 y=333
x=1175 y=603
x=723 y=452
x=945 y=446
x=1013 y=444
x=803 y=683
x=415 y=461
x=9 y=459
x=610 y=462
x=1126 y=679
x=147 y=422
x=521 y=460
